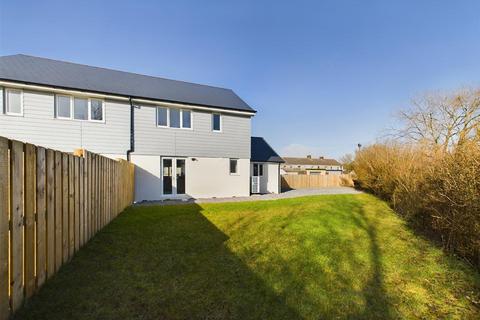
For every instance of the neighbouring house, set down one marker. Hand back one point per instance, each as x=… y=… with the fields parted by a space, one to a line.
x=185 y=139
x=311 y=166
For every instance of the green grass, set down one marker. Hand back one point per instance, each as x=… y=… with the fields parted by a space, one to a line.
x=322 y=257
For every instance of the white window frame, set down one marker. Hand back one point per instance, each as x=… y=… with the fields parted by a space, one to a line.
x=72 y=106
x=221 y=120
x=56 y=107
x=168 y=118
x=5 y=92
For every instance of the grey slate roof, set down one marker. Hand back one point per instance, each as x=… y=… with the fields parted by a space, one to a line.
x=35 y=70
x=262 y=152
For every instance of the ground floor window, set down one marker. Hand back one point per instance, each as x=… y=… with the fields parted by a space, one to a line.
x=233 y=166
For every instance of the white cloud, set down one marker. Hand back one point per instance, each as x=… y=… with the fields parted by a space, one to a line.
x=300 y=150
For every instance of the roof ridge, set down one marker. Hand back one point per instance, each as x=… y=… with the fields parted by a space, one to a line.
x=122 y=71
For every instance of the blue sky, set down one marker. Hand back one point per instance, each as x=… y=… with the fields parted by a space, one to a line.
x=323 y=75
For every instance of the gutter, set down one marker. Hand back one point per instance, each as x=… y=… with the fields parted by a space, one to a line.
x=132 y=129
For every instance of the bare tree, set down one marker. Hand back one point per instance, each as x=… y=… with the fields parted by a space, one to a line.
x=442 y=119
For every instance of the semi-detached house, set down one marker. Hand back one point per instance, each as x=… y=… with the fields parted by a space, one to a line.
x=185 y=139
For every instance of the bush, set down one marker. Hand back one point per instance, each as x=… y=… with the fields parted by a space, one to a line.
x=438 y=191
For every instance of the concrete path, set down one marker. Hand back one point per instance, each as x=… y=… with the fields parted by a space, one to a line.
x=283 y=195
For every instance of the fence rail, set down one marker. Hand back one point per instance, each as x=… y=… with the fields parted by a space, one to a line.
x=302 y=181
x=51 y=204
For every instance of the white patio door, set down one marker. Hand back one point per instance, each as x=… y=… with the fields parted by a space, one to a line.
x=173 y=176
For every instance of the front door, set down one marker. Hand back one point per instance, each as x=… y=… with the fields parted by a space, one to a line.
x=173 y=176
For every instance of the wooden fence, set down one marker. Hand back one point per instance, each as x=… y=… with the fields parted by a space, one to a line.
x=302 y=181
x=51 y=204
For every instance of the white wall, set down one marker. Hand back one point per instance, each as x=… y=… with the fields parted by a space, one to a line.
x=205 y=178
x=273 y=183
x=210 y=177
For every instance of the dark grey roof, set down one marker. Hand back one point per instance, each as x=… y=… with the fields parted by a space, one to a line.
x=262 y=152
x=35 y=70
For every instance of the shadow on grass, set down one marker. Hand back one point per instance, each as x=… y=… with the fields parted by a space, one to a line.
x=157 y=263
x=171 y=262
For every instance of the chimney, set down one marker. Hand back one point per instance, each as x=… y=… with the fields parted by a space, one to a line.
x=309 y=156
x=322 y=157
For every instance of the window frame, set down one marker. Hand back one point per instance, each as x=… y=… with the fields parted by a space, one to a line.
x=70 y=99
x=168 y=126
x=72 y=108
x=6 y=104
x=230 y=166
x=220 y=120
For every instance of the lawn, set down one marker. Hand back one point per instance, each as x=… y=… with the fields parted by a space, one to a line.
x=321 y=257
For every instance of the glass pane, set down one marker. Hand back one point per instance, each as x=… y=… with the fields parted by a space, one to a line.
x=260 y=167
x=174 y=118
x=216 y=122
x=180 y=176
x=167 y=176
x=80 y=109
x=186 y=118
x=96 y=112
x=162 y=117
x=255 y=170
x=63 y=107
x=14 y=101
x=233 y=166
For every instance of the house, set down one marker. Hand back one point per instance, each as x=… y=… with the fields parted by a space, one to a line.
x=185 y=139
x=311 y=166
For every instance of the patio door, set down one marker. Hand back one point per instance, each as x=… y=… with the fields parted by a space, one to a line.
x=173 y=176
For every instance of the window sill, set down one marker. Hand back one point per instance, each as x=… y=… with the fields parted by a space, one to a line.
x=14 y=114
x=164 y=127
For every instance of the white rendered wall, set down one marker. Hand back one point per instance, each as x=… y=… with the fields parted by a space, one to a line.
x=147 y=177
x=210 y=177
x=206 y=178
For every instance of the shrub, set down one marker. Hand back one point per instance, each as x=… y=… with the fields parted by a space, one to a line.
x=438 y=191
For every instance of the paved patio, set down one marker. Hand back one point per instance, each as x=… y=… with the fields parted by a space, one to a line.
x=260 y=197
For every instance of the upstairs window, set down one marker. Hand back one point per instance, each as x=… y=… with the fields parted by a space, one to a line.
x=14 y=102
x=96 y=110
x=186 y=119
x=216 y=122
x=174 y=118
x=80 y=109
x=162 y=117
x=75 y=108
x=64 y=107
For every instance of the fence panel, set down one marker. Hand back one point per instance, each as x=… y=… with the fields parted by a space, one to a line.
x=51 y=204
x=303 y=181
x=4 y=231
